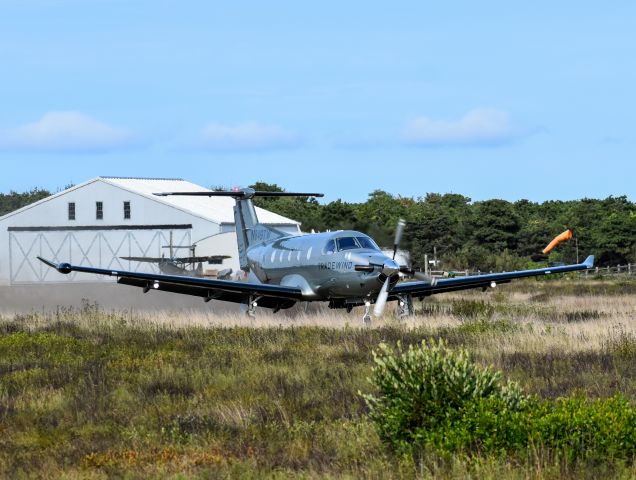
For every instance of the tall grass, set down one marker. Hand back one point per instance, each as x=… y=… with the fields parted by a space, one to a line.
x=90 y=393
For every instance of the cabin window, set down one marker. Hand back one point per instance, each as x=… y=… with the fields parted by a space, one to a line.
x=347 y=243
x=366 y=242
x=71 y=211
x=330 y=247
x=126 y=210
x=99 y=210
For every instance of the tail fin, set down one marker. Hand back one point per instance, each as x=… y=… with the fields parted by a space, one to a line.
x=248 y=229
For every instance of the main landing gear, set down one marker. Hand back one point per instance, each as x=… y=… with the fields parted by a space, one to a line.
x=405 y=306
x=404 y=309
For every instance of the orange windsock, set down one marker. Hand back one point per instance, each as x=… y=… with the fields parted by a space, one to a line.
x=558 y=239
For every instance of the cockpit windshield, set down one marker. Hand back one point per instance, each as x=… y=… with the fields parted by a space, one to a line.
x=347 y=243
x=366 y=242
x=352 y=243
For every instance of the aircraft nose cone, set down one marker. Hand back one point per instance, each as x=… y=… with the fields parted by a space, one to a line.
x=390 y=267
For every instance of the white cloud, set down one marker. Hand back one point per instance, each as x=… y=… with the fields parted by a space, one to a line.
x=247 y=136
x=65 y=132
x=483 y=126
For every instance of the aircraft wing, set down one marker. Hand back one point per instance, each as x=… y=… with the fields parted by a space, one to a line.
x=269 y=296
x=144 y=259
x=210 y=258
x=424 y=289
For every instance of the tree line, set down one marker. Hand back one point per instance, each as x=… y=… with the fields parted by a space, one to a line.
x=484 y=235
x=12 y=201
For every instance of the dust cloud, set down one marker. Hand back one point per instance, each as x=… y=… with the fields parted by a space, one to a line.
x=48 y=298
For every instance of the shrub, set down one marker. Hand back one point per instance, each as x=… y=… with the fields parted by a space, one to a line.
x=430 y=397
x=424 y=387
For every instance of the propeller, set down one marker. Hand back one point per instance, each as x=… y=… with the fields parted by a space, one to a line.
x=380 y=302
x=399 y=231
x=389 y=271
x=424 y=277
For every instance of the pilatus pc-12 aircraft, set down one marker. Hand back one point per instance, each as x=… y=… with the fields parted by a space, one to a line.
x=183 y=266
x=344 y=268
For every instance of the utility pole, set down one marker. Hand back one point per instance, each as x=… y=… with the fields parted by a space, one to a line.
x=426 y=263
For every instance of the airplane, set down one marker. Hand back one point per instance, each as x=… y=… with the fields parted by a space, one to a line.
x=344 y=268
x=184 y=266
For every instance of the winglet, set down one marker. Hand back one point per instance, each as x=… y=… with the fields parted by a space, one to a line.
x=48 y=262
x=64 y=268
x=589 y=261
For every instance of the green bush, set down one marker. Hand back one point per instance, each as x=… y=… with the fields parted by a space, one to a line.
x=431 y=398
x=422 y=388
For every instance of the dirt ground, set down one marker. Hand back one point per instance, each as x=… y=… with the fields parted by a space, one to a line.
x=29 y=298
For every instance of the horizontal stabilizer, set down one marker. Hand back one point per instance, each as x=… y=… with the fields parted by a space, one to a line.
x=244 y=193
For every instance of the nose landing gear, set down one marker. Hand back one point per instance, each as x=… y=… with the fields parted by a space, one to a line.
x=250 y=302
x=366 y=319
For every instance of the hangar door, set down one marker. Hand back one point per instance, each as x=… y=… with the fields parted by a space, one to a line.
x=100 y=247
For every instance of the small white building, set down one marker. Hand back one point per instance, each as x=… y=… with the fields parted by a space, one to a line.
x=107 y=218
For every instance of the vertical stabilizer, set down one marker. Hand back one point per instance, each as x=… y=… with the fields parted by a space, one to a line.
x=248 y=229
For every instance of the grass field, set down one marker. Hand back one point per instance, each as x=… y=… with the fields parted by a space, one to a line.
x=87 y=393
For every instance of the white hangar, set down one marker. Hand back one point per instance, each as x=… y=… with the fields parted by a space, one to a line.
x=100 y=221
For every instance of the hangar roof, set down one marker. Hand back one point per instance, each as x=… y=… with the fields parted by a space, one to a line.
x=216 y=209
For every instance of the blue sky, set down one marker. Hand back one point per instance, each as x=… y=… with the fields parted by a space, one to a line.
x=487 y=99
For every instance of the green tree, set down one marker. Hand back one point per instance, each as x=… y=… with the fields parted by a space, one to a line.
x=14 y=201
x=495 y=225
x=438 y=222
x=306 y=210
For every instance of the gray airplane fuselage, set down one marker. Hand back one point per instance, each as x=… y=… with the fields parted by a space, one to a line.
x=322 y=265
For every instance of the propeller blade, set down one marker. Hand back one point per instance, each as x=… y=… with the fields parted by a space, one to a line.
x=380 y=302
x=425 y=278
x=399 y=231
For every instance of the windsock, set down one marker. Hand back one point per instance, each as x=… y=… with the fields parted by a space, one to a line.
x=558 y=239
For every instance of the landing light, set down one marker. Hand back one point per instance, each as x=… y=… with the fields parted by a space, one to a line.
x=493 y=284
x=155 y=285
